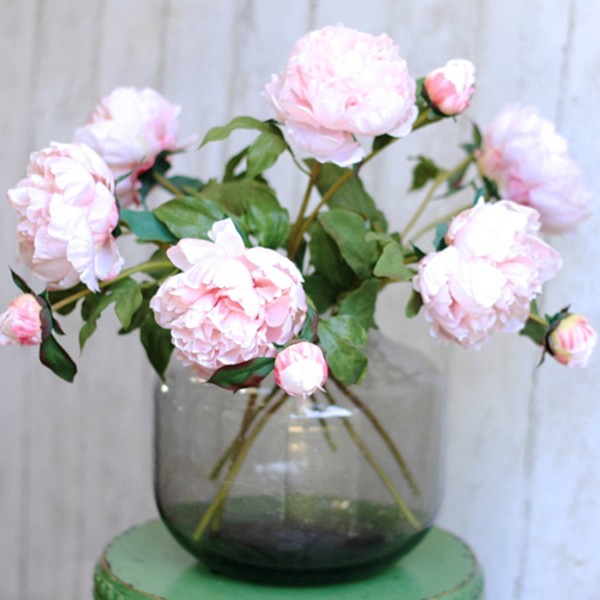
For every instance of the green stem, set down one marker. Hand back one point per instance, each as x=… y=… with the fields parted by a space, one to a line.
x=439 y=179
x=325 y=429
x=235 y=468
x=442 y=219
x=165 y=183
x=122 y=275
x=385 y=436
x=387 y=482
x=294 y=235
x=537 y=319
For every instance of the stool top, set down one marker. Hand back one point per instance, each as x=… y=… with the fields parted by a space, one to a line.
x=145 y=562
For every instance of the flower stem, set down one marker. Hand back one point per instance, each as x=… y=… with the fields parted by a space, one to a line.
x=235 y=468
x=442 y=219
x=165 y=183
x=387 y=482
x=414 y=486
x=325 y=429
x=295 y=235
x=149 y=266
x=439 y=179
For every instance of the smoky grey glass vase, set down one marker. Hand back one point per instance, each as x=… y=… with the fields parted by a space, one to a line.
x=270 y=488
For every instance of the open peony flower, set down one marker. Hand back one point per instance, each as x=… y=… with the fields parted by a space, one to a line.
x=230 y=304
x=449 y=88
x=572 y=341
x=301 y=369
x=21 y=323
x=528 y=160
x=67 y=213
x=129 y=128
x=339 y=83
x=486 y=277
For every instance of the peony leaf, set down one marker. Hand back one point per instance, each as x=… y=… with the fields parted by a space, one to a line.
x=348 y=230
x=55 y=357
x=248 y=374
x=20 y=283
x=391 y=264
x=424 y=171
x=414 y=304
x=146 y=227
x=189 y=217
x=264 y=152
x=222 y=132
x=127 y=304
x=360 y=304
x=309 y=328
x=158 y=345
x=321 y=291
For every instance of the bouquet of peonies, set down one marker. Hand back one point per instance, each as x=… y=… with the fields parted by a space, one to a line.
x=236 y=287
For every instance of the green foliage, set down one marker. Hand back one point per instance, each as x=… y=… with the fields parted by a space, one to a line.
x=423 y=172
x=55 y=357
x=414 y=304
x=264 y=152
x=157 y=344
x=391 y=263
x=243 y=375
x=360 y=303
x=222 y=132
x=146 y=227
x=188 y=217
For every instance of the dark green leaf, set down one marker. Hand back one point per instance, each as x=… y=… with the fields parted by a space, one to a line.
x=189 y=217
x=20 y=283
x=223 y=132
x=55 y=357
x=414 y=304
x=346 y=327
x=91 y=309
x=424 y=171
x=351 y=195
x=439 y=241
x=309 y=327
x=381 y=141
x=391 y=264
x=232 y=165
x=157 y=343
x=534 y=330
x=360 y=303
x=264 y=152
x=161 y=165
x=244 y=375
x=146 y=226
x=348 y=230
x=321 y=291
x=187 y=184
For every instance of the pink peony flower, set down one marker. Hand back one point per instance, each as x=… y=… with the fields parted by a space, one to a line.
x=129 y=128
x=485 y=279
x=573 y=340
x=301 y=369
x=339 y=83
x=21 y=323
x=450 y=88
x=528 y=160
x=67 y=213
x=230 y=304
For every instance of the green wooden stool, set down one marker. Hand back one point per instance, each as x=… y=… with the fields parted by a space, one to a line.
x=145 y=562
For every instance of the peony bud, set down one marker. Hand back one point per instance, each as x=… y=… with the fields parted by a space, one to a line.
x=21 y=323
x=301 y=369
x=450 y=88
x=572 y=341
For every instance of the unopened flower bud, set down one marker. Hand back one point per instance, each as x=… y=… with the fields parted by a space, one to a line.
x=21 y=323
x=572 y=341
x=301 y=369
x=449 y=89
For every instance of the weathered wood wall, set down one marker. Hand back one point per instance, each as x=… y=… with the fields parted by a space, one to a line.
x=523 y=483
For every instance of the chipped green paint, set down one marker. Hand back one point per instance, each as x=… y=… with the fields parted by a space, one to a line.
x=146 y=563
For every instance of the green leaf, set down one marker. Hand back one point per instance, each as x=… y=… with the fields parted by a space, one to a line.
x=161 y=165
x=91 y=309
x=439 y=241
x=536 y=331
x=232 y=165
x=157 y=344
x=340 y=338
x=224 y=131
x=327 y=259
x=414 y=304
x=360 y=304
x=20 y=283
x=309 y=327
x=55 y=357
x=351 y=195
x=127 y=304
x=248 y=374
x=187 y=184
x=146 y=227
x=143 y=312
x=321 y=291
x=189 y=217
x=424 y=171
x=391 y=264
x=264 y=152
x=56 y=296
x=348 y=230
x=381 y=141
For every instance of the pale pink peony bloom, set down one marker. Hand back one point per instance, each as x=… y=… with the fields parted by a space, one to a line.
x=528 y=160
x=573 y=340
x=485 y=279
x=339 y=83
x=129 y=128
x=67 y=213
x=301 y=369
x=21 y=323
x=230 y=304
x=450 y=88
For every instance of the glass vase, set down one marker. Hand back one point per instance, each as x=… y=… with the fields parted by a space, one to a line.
x=266 y=487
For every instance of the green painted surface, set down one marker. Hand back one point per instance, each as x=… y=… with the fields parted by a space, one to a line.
x=145 y=562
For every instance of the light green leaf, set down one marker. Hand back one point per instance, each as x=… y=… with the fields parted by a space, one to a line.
x=127 y=304
x=189 y=217
x=224 y=131
x=360 y=304
x=264 y=152
x=146 y=227
x=414 y=304
x=391 y=264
